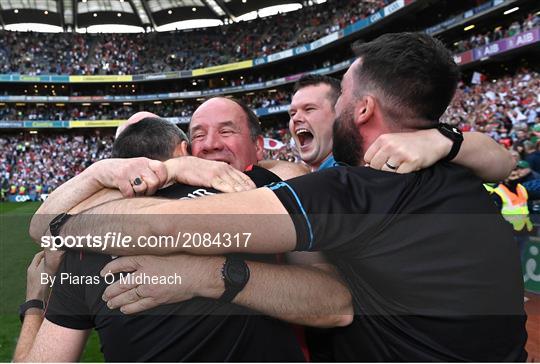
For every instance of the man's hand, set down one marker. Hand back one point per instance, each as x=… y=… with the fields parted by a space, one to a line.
x=205 y=173
x=408 y=152
x=43 y=262
x=34 y=289
x=133 y=176
x=199 y=276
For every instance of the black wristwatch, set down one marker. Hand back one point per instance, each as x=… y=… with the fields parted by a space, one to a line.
x=455 y=135
x=28 y=305
x=56 y=224
x=235 y=274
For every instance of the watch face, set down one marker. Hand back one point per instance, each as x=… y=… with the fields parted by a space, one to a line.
x=237 y=273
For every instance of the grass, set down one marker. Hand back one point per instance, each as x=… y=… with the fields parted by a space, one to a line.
x=16 y=252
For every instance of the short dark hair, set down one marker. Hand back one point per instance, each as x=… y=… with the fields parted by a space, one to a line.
x=153 y=138
x=413 y=72
x=254 y=123
x=253 y=120
x=314 y=80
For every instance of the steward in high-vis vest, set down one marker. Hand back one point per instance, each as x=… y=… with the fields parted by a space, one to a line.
x=514 y=206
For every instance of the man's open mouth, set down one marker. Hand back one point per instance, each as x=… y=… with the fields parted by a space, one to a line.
x=305 y=137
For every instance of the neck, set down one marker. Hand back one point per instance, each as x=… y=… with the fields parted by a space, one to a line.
x=315 y=166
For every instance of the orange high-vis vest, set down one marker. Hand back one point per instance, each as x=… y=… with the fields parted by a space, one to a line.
x=514 y=206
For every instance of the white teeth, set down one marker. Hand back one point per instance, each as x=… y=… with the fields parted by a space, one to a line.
x=302 y=130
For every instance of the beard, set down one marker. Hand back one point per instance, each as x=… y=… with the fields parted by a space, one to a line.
x=347 y=142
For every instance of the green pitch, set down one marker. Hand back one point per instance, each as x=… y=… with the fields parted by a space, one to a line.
x=16 y=252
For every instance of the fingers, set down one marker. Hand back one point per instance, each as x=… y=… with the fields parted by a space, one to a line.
x=130 y=300
x=223 y=184
x=37 y=258
x=138 y=185
x=125 y=298
x=232 y=180
x=391 y=165
x=137 y=176
x=406 y=168
x=124 y=186
x=116 y=290
x=160 y=171
x=372 y=150
x=123 y=264
x=379 y=159
x=241 y=181
x=139 y=306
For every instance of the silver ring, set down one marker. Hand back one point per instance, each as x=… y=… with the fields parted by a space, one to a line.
x=391 y=166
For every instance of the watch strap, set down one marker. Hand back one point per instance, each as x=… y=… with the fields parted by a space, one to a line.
x=455 y=135
x=56 y=224
x=28 y=305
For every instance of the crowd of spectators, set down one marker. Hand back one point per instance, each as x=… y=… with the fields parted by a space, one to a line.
x=507 y=109
x=114 y=111
x=478 y=40
x=117 y=54
x=32 y=166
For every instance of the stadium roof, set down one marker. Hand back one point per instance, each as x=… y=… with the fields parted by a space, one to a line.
x=135 y=15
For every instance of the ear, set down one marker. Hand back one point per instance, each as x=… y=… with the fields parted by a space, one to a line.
x=364 y=109
x=259 y=145
x=181 y=149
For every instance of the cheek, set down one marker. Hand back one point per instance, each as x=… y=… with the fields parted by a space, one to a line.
x=195 y=148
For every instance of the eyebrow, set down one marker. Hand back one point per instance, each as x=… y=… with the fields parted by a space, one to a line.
x=221 y=124
x=227 y=123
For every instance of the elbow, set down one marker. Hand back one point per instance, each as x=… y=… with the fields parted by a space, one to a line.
x=330 y=321
x=346 y=315
x=37 y=228
x=508 y=163
x=504 y=167
x=343 y=320
x=511 y=163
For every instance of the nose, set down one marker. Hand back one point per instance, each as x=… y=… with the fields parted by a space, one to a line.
x=212 y=143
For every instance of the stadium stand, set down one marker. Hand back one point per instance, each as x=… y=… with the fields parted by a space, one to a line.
x=120 y=54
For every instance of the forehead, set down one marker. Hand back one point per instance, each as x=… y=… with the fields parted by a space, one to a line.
x=315 y=94
x=216 y=112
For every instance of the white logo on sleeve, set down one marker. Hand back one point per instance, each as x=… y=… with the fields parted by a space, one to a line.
x=201 y=192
